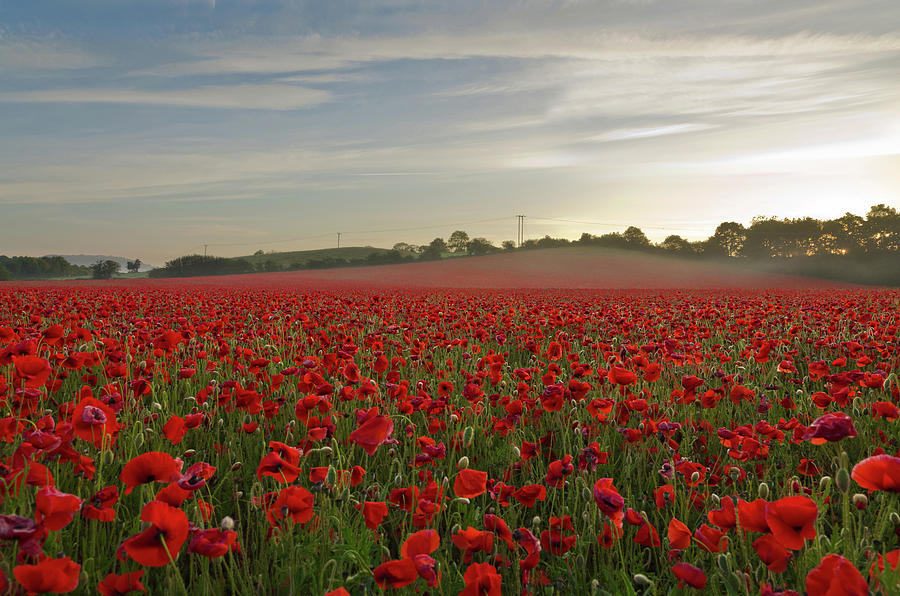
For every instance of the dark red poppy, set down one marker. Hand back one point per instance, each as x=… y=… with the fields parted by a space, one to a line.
x=679 y=534
x=879 y=472
x=527 y=495
x=396 y=574
x=160 y=543
x=836 y=576
x=174 y=429
x=31 y=371
x=772 y=553
x=831 y=427
x=94 y=421
x=119 y=585
x=373 y=512
x=59 y=576
x=153 y=466
x=213 y=543
x=609 y=501
x=688 y=575
x=472 y=540
x=294 y=503
x=100 y=506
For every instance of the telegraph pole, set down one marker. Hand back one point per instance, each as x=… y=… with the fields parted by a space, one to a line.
x=520 y=234
x=339 y=239
x=204 y=249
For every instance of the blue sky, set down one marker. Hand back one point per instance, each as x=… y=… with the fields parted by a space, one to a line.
x=149 y=128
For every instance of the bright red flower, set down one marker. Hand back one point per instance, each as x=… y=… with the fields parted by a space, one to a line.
x=372 y=433
x=792 y=520
x=373 y=512
x=100 y=506
x=679 y=534
x=93 y=420
x=118 y=585
x=163 y=539
x=396 y=574
x=527 y=495
x=59 y=576
x=689 y=575
x=481 y=579
x=772 y=553
x=609 y=500
x=174 y=429
x=473 y=540
x=153 y=466
x=831 y=427
x=836 y=576
x=470 y=483
x=294 y=502
x=213 y=543
x=879 y=472
x=55 y=509
x=31 y=371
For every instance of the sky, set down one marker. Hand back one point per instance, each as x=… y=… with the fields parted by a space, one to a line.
x=150 y=128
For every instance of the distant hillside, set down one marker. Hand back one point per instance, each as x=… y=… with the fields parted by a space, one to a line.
x=291 y=260
x=88 y=260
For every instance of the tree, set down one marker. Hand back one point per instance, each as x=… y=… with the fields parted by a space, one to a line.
x=259 y=252
x=508 y=245
x=676 y=244
x=133 y=266
x=480 y=246
x=404 y=247
x=458 y=242
x=635 y=238
x=104 y=269
x=728 y=240
x=435 y=249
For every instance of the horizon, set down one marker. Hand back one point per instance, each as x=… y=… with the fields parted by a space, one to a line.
x=128 y=123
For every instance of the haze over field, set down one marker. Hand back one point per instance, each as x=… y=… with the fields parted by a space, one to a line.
x=152 y=127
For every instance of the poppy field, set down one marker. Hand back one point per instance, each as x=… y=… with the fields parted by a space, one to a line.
x=178 y=439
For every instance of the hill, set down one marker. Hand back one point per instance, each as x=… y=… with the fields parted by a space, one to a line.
x=582 y=268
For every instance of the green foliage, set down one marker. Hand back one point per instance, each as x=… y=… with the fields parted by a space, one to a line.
x=39 y=268
x=104 y=269
x=198 y=265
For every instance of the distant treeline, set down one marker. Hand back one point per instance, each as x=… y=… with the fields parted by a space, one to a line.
x=38 y=268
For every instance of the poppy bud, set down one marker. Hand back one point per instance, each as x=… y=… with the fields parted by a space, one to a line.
x=842 y=480
x=236 y=466
x=468 y=433
x=463 y=463
x=189 y=453
x=824 y=483
x=695 y=477
x=763 y=490
x=139 y=440
x=518 y=452
x=398 y=479
x=716 y=501
x=536 y=521
x=860 y=501
x=642 y=580
x=586 y=494
x=845 y=460
x=238 y=495
x=895 y=518
x=595 y=586
x=455 y=529
x=330 y=476
x=722 y=563
x=227 y=523
x=325 y=450
x=157 y=405
x=824 y=542
x=463 y=500
x=220 y=422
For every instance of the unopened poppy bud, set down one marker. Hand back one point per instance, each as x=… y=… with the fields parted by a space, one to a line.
x=895 y=518
x=716 y=501
x=463 y=463
x=467 y=435
x=227 y=523
x=845 y=460
x=445 y=483
x=518 y=452
x=238 y=495
x=462 y=500
x=157 y=405
x=454 y=418
x=398 y=479
x=595 y=586
x=763 y=490
x=845 y=532
x=842 y=480
x=860 y=500
x=325 y=450
x=695 y=477
x=536 y=521
x=722 y=563
x=189 y=453
x=586 y=494
x=642 y=580
x=220 y=422
x=330 y=476
x=824 y=483
x=456 y=528
x=236 y=466
x=139 y=440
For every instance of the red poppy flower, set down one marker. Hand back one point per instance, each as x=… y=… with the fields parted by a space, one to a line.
x=93 y=420
x=372 y=433
x=647 y=535
x=609 y=501
x=831 y=427
x=664 y=495
x=31 y=371
x=59 y=576
x=99 y=507
x=423 y=542
x=879 y=472
x=560 y=538
x=481 y=579
x=752 y=515
x=724 y=517
x=621 y=376
x=836 y=576
x=689 y=575
x=294 y=502
x=498 y=526
x=174 y=429
x=470 y=483
x=772 y=553
x=473 y=540
x=55 y=509
x=527 y=495
x=373 y=512
x=792 y=520
x=118 y=585
x=397 y=574
x=679 y=534
x=277 y=467
x=213 y=543
x=163 y=539
x=152 y=466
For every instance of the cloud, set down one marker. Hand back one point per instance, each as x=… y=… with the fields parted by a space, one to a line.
x=25 y=55
x=244 y=96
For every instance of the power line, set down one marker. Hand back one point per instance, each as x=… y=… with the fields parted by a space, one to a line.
x=609 y=224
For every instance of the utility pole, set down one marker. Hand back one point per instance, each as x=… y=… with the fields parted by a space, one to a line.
x=204 y=249
x=520 y=235
x=339 y=239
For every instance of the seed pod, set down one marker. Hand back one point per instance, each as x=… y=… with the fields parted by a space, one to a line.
x=763 y=490
x=189 y=453
x=695 y=477
x=845 y=460
x=463 y=463
x=468 y=433
x=236 y=466
x=227 y=523
x=642 y=580
x=860 y=500
x=895 y=518
x=842 y=480
x=722 y=563
x=824 y=483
